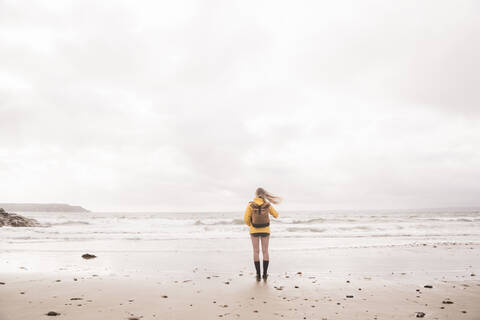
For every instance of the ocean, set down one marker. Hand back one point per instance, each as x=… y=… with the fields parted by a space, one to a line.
x=294 y=230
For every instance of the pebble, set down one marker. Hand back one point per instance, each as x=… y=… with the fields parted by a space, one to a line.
x=52 y=313
x=420 y=314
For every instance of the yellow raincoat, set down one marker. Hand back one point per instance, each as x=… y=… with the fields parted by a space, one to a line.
x=248 y=216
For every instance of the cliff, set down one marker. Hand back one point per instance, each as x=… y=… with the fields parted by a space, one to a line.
x=41 y=207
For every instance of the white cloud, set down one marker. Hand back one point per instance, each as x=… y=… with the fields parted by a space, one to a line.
x=191 y=105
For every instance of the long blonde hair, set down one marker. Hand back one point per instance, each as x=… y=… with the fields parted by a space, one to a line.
x=265 y=195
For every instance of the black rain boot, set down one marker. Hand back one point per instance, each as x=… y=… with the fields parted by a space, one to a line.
x=257 y=268
x=265 y=269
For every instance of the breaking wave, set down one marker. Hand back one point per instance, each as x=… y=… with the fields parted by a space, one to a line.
x=296 y=229
x=68 y=223
x=221 y=222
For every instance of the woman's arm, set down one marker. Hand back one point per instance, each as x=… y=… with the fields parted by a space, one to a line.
x=273 y=212
x=247 y=216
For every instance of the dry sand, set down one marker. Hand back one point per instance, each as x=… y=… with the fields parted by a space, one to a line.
x=385 y=283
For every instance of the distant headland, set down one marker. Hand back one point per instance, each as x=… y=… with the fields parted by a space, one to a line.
x=41 y=207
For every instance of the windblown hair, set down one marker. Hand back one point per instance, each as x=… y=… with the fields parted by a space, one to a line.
x=265 y=195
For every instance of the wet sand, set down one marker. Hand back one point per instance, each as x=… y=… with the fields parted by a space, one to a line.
x=360 y=283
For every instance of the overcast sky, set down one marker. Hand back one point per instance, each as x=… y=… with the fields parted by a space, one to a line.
x=190 y=105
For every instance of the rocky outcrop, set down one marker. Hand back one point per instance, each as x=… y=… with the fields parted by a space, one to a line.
x=15 y=220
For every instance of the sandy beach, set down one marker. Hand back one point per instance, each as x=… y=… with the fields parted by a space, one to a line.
x=341 y=283
x=149 y=148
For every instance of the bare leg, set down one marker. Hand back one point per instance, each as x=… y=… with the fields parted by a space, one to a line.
x=265 y=247
x=256 y=254
x=256 y=247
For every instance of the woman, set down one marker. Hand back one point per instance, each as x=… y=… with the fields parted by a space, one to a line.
x=257 y=216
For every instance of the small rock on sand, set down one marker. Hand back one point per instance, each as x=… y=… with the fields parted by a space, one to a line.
x=52 y=314
x=2 y=283
x=420 y=314
x=349 y=296
x=88 y=256
x=428 y=286
x=447 y=302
